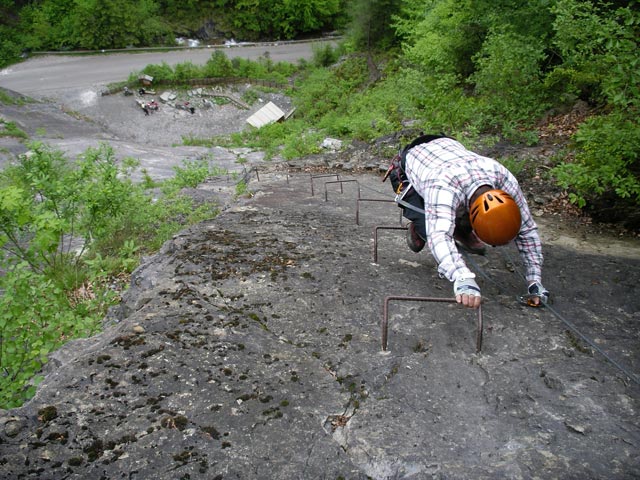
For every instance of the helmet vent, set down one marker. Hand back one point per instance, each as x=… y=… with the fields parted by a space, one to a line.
x=486 y=205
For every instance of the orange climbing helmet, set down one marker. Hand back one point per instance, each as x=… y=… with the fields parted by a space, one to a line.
x=495 y=217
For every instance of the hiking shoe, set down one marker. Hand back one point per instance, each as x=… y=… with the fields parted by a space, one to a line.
x=414 y=241
x=469 y=242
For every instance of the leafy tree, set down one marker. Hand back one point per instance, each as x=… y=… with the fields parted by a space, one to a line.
x=607 y=161
x=49 y=25
x=36 y=317
x=281 y=19
x=188 y=12
x=46 y=201
x=92 y=24
x=599 y=51
x=47 y=198
x=116 y=23
x=509 y=78
x=218 y=65
x=10 y=50
x=97 y=24
x=444 y=39
x=598 y=44
x=301 y=16
x=444 y=36
x=371 y=23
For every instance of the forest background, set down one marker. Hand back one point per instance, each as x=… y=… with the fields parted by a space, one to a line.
x=480 y=70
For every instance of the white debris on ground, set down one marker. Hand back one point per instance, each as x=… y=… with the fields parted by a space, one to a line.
x=187 y=42
x=89 y=97
x=268 y=114
x=332 y=144
x=198 y=113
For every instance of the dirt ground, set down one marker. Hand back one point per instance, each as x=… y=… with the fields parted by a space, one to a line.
x=169 y=125
x=83 y=118
x=250 y=347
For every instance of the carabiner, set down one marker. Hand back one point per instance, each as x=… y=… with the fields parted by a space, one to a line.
x=527 y=300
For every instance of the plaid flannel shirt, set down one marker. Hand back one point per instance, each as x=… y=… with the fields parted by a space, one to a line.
x=446 y=175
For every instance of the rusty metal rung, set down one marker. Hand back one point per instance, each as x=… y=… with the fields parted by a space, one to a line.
x=247 y=173
x=385 y=316
x=375 y=237
x=326 y=197
x=311 y=176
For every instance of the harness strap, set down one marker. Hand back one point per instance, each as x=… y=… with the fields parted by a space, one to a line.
x=404 y=204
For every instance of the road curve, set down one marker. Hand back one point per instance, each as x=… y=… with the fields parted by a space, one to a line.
x=53 y=74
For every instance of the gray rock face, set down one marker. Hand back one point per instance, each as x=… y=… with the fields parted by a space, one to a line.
x=249 y=348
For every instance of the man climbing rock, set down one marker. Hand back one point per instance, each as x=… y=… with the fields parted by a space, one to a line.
x=457 y=199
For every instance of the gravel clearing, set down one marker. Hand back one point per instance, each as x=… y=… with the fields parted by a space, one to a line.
x=78 y=119
x=168 y=126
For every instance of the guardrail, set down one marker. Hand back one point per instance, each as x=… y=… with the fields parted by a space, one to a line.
x=168 y=48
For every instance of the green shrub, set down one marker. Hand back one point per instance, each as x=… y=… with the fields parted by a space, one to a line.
x=298 y=141
x=192 y=141
x=599 y=48
x=161 y=72
x=10 y=129
x=8 y=99
x=263 y=68
x=242 y=189
x=324 y=55
x=326 y=91
x=250 y=96
x=218 y=65
x=190 y=174
x=185 y=71
x=442 y=37
x=607 y=155
x=440 y=104
x=514 y=165
x=49 y=204
x=10 y=50
x=36 y=317
x=509 y=79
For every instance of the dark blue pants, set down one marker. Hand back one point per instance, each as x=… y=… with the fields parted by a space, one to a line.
x=463 y=223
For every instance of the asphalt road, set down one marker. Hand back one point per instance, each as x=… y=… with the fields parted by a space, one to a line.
x=48 y=75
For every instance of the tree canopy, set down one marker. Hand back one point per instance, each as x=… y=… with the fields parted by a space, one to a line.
x=104 y=24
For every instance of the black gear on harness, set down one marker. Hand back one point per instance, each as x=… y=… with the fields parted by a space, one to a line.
x=406 y=196
x=396 y=171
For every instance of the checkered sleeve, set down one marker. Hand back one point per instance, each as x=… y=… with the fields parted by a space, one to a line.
x=528 y=240
x=440 y=214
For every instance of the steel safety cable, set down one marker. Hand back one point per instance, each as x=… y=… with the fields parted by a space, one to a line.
x=482 y=273
x=586 y=339
x=386 y=194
